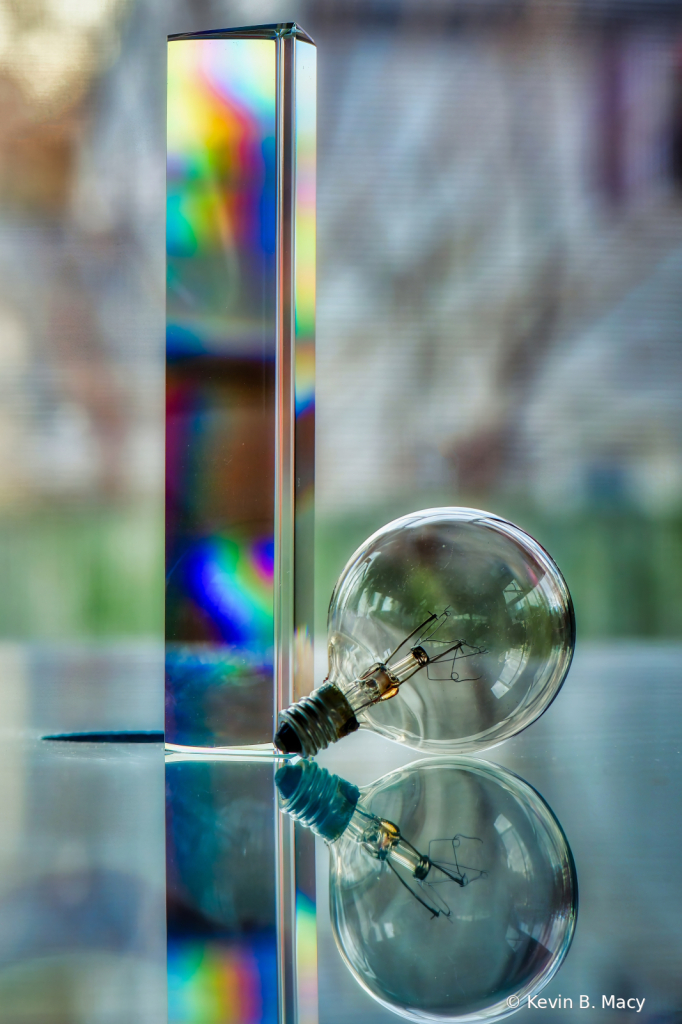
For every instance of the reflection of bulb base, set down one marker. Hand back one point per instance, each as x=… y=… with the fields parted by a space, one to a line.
x=322 y=802
x=315 y=721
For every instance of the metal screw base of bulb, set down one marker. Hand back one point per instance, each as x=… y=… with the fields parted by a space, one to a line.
x=324 y=803
x=315 y=721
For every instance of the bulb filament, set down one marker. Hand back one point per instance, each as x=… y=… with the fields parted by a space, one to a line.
x=330 y=711
x=383 y=680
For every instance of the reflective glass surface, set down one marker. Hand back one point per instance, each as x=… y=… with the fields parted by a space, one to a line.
x=453 y=891
x=606 y=757
x=82 y=850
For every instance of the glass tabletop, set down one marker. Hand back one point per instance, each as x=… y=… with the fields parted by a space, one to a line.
x=82 y=881
x=82 y=853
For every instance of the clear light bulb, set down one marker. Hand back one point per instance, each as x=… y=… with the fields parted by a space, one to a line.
x=460 y=616
x=453 y=891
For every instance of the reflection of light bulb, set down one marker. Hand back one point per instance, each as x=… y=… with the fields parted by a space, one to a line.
x=452 y=888
x=458 y=611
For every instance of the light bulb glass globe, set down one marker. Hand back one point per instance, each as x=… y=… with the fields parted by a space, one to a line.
x=453 y=894
x=485 y=603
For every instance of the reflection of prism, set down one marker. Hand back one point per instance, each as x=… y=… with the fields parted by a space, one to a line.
x=240 y=380
x=515 y=662
x=529 y=957
x=517 y=854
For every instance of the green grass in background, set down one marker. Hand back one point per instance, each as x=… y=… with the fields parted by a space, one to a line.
x=76 y=574
x=98 y=572
x=624 y=570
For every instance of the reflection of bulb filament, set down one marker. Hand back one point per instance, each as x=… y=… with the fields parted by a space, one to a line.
x=382 y=839
x=383 y=679
x=330 y=807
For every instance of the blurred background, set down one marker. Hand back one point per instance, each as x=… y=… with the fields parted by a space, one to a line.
x=500 y=232
x=499 y=324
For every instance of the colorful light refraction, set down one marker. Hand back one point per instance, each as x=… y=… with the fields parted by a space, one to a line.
x=213 y=982
x=222 y=223
x=239 y=503
x=221 y=188
x=221 y=245
x=231 y=581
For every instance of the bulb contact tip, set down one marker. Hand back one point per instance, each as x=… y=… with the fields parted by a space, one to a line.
x=287 y=740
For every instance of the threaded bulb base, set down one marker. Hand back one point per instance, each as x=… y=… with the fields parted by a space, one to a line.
x=322 y=802
x=314 y=722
